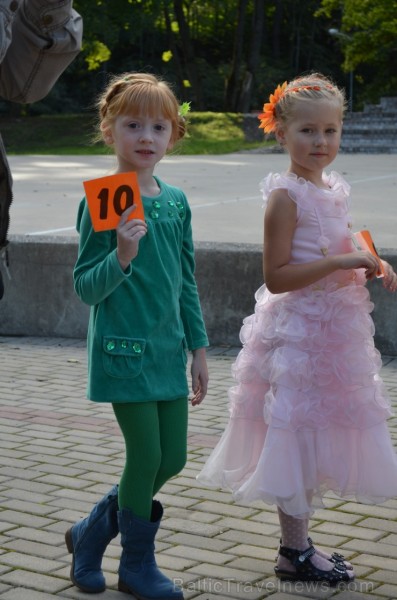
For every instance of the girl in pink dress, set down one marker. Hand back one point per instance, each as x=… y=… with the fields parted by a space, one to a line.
x=308 y=411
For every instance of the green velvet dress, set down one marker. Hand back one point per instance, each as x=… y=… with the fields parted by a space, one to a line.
x=143 y=319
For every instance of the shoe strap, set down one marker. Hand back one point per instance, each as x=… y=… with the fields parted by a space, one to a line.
x=303 y=556
x=296 y=557
x=335 y=555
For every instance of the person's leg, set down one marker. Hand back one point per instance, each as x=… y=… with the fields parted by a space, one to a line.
x=294 y=535
x=139 y=424
x=155 y=439
x=87 y=541
x=173 y=420
x=155 y=435
x=335 y=557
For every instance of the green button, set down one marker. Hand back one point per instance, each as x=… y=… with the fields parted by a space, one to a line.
x=111 y=345
x=124 y=344
x=137 y=348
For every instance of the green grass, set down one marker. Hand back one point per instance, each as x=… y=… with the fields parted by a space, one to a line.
x=208 y=133
x=216 y=133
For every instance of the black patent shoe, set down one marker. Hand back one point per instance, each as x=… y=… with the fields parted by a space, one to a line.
x=336 y=558
x=306 y=571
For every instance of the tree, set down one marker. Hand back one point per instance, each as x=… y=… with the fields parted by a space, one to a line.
x=186 y=60
x=369 y=33
x=243 y=71
x=233 y=82
x=230 y=54
x=258 y=15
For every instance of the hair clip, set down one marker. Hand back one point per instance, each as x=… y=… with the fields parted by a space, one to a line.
x=184 y=109
x=268 y=117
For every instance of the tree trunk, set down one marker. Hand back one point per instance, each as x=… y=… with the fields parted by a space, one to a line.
x=258 y=18
x=189 y=56
x=173 y=47
x=278 y=16
x=233 y=83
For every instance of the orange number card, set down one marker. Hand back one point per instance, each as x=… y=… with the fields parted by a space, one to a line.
x=363 y=241
x=108 y=197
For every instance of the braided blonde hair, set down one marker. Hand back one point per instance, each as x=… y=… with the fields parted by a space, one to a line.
x=308 y=87
x=280 y=107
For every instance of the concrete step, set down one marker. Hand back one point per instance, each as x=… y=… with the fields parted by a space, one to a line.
x=372 y=131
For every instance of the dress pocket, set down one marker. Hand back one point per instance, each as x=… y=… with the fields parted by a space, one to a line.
x=122 y=357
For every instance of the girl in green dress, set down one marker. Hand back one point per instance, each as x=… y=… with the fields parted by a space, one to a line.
x=145 y=313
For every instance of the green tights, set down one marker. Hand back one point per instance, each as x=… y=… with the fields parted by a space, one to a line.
x=155 y=435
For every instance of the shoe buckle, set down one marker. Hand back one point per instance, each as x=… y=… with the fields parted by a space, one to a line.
x=306 y=554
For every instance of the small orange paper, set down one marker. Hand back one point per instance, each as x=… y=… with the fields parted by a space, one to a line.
x=363 y=241
x=108 y=197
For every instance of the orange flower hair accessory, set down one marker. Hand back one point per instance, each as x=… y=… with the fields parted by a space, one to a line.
x=268 y=117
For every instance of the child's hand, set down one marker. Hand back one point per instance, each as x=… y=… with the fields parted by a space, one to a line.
x=128 y=235
x=359 y=260
x=199 y=373
x=390 y=278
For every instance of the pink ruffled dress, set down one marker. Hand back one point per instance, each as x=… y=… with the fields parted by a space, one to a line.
x=308 y=411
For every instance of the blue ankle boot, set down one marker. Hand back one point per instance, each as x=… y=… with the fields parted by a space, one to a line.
x=87 y=541
x=138 y=572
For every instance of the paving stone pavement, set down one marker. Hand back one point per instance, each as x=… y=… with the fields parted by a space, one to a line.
x=60 y=453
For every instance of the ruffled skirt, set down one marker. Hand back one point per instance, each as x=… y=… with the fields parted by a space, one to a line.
x=308 y=411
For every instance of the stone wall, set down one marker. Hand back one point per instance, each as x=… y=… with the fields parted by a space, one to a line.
x=40 y=299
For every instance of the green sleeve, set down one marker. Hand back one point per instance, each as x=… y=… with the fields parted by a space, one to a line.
x=97 y=272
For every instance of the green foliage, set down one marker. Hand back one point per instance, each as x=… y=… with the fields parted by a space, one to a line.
x=232 y=59
x=367 y=36
x=148 y=35
x=48 y=134
x=209 y=133
x=97 y=54
x=215 y=133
